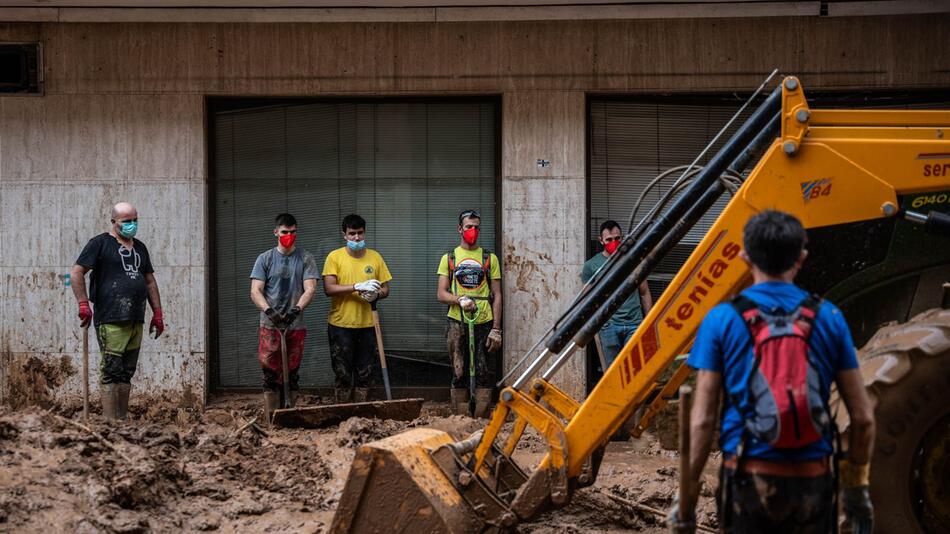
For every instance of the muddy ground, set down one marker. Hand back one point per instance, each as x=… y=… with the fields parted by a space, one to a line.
x=173 y=470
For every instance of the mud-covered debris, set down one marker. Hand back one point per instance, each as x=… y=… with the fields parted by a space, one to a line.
x=356 y=431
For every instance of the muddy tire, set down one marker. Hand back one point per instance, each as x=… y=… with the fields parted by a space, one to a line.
x=906 y=368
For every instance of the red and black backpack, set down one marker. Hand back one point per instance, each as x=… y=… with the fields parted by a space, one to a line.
x=786 y=405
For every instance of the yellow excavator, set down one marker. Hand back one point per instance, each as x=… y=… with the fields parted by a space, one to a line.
x=873 y=189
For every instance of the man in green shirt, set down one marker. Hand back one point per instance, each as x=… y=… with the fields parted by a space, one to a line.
x=470 y=280
x=624 y=322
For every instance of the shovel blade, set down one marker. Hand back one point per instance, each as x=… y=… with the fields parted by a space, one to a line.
x=334 y=414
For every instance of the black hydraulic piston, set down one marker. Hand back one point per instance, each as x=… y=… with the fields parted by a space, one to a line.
x=628 y=269
x=679 y=230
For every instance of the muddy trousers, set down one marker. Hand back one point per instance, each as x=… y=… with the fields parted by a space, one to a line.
x=456 y=336
x=119 y=344
x=352 y=353
x=268 y=354
x=751 y=504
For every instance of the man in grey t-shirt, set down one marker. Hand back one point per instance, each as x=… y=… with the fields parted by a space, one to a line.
x=283 y=283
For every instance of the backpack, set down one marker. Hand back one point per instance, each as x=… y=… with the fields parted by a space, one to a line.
x=486 y=272
x=786 y=408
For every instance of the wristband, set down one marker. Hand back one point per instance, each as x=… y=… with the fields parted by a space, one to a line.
x=855 y=475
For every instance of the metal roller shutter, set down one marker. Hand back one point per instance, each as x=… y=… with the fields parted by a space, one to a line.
x=408 y=168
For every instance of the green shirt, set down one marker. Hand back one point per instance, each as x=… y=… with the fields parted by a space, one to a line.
x=630 y=314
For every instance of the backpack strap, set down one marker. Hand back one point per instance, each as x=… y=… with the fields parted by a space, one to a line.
x=450 y=258
x=808 y=314
x=748 y=310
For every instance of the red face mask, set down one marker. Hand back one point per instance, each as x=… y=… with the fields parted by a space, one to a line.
x=287 y=240
x=470 y=236
x=612 y=246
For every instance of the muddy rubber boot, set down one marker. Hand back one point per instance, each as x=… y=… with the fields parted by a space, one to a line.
x=341 y=395
x=459 y=401
x=123 y=392
x=107 y=394
x=271 y=403
x=482 y=402
x=360 y=394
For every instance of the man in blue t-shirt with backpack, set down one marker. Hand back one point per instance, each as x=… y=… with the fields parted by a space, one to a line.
x=775 y=351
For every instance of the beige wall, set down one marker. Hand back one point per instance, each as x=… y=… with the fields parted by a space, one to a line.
x=123 y=118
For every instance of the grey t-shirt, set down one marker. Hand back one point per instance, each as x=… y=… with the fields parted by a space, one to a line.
x=283 y=278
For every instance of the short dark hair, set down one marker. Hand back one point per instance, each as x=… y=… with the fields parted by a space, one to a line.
x=469 y=214
x=353 y=222
x=774 y=241
x=285 y=219
x=609 y=224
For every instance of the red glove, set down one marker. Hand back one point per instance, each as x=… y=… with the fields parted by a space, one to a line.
x=157 y=326
x=85 y=313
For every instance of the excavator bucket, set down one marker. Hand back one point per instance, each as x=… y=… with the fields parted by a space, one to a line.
x=394 y=485
x=418 y=481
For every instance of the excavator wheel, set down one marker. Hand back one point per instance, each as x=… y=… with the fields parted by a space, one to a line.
x=906 y=368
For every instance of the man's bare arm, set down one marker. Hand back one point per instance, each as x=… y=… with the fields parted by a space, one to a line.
x=154 y=297
x=702 y=422
x=331 y=288
x=443 y=294
x=384 y=290
x=646 y=299
x=257 y=294
x=496 y=306
x=851 y=388
x=77 y=280
x=309 y=291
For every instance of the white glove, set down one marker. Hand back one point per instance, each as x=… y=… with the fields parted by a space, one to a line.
x=493 y=343
x=467 y=304
x=369 y=285
x=369 y=296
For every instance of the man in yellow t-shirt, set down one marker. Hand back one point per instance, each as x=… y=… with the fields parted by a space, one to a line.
x=353 y=277
x=470 y=280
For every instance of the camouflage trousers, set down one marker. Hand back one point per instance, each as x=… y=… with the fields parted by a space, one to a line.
x=456 y=335
x=751 y=503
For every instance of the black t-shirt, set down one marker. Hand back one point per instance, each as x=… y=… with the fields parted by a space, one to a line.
x=117 y=282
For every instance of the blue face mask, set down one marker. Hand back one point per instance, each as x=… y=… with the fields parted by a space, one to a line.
x=356 y=245
x=128 y=229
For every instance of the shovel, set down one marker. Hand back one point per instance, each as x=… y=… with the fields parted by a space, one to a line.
x=471 y=359
x=382 y=351
x=334 y=414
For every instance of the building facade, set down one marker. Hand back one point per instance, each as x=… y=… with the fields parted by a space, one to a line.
x=212 y=120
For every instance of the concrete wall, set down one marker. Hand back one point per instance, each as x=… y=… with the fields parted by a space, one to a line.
x=123 y=118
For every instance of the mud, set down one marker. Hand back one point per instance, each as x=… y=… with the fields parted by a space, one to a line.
x=30 y=381
x=179 y=469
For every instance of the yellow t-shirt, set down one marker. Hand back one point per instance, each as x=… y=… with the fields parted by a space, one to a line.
x=351 y=311
x=469 y=280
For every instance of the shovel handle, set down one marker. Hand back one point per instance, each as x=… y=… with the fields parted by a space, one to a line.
x=285 y=365
x=85 y=372
x=382 y=351
x=685 y=492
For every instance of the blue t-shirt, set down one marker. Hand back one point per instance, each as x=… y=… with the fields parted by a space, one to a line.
x=723 y=344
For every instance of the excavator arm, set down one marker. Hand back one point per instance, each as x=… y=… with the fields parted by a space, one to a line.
x=825 y=167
